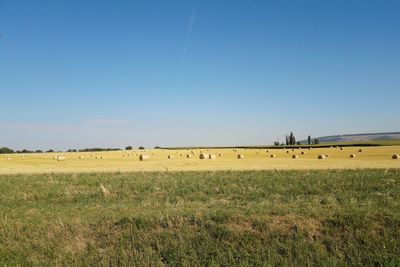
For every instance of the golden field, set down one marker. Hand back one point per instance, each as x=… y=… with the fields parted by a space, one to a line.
x=253 y=159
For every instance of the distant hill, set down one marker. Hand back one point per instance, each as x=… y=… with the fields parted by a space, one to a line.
x=363 y=137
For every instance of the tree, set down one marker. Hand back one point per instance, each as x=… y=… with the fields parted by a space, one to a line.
x=24 y=151
x=292 y=139
x=128 y=148
x=309 y=140
x=141 y=148
x=6 y=150
x=50 y=151
x=316 y=141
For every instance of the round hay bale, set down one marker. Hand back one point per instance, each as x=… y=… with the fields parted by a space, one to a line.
x=309 y=148
x=295 y=157
x=9 y=158
x=302 y=152
x=81 y=157
x=292 y=149
x=60 y=158
x=212 y=156
x=321 y=156
x=352 y=155
x=341 y=148
x=143 y=157
x=220 y=155
x=326 y=155
x=395 y=156
x=188 y=156
x=170 y=157
x=203 y=156
x=240 y=156
x=360 y=150
x=287 y=152
x=267 y=151
x=273 y=155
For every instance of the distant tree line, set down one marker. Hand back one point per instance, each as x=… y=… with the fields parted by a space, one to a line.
x=6 y=150
x=95 y=149
x=290 y=140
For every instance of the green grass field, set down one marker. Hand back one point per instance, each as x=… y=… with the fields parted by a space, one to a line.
x=221 y=218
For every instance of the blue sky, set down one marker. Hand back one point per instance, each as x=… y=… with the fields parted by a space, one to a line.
x=77 y=74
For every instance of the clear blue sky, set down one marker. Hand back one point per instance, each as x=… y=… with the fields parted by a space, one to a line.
x=77 y=74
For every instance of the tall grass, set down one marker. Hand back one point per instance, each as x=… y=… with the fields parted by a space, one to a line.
x=252 y=218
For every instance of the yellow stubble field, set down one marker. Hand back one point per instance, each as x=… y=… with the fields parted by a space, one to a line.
x=225 y=159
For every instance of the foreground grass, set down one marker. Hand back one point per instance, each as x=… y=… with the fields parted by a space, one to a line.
x=322 y=218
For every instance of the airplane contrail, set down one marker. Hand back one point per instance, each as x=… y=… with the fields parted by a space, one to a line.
x=192 y=18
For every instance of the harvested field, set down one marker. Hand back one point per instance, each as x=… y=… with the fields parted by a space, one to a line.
x=371 y=157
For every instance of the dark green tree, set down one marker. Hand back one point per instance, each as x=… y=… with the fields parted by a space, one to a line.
x=6 y=150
